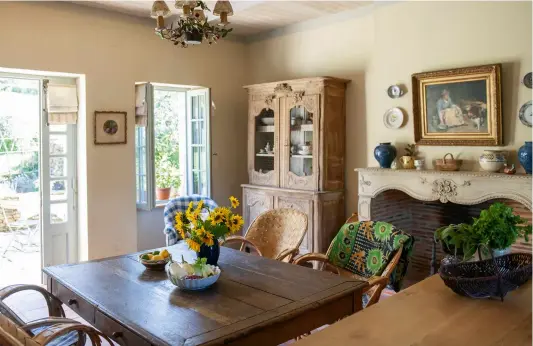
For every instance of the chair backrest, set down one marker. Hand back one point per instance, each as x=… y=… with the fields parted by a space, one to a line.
x=180 y=204
x=13 y=335
x=366 y=247
x=277 y=230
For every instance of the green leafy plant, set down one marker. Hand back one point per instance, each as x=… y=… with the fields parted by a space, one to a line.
x=496 y=228
x=166 y=175
x=410 y=150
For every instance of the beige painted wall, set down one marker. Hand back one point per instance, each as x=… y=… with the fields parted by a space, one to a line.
x=114 y=51
x=385 y=46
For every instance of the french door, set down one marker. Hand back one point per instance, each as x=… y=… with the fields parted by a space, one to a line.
x=58 y=192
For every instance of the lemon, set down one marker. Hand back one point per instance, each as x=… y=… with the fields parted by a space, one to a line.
x=164 y=253
x=158 y=258
x=150 y=256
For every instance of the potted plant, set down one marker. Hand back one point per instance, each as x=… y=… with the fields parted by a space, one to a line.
x=408 y=160
x=491 y=234
x=166 y=178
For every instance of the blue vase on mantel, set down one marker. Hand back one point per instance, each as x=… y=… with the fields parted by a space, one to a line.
x=385 y=153
x=525 y=156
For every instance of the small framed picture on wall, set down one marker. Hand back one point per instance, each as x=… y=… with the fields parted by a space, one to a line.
x=110 y=127
x=459 y=106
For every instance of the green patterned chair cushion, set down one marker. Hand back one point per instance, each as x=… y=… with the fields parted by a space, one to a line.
x=366 y=247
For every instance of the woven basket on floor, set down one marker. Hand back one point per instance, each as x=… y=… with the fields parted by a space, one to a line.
x=489 y=278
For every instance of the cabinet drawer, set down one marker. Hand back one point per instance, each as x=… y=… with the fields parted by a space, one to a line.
x=73 y=301
x=117 y=332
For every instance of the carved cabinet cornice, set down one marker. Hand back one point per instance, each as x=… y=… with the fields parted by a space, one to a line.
x=296 y=139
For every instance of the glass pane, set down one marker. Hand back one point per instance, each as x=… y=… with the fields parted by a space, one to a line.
x=58 y=212
x=198 y=132
x=264 y=141
x=196 y=182
x=58 y=167
x=301 y=147
x=57 y=128
x=58 y=144
x=58 y=190
x=201 y=107
x=194 y=107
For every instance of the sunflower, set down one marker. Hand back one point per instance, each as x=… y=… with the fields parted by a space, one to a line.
x=194 y=246
x=200 y=232
x=208 y=239
x=234 y=202
x=225 y=212
x=199 y=207
x=216 y=218
x=190 y=207
x=179 y=220
x=235 y=223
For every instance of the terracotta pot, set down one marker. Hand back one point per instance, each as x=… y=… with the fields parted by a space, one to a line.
x=162 y=194
x=408 y=162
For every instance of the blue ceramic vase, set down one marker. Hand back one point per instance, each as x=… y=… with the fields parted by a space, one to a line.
x=385 y=153
x=210 y=252
x=524 y=156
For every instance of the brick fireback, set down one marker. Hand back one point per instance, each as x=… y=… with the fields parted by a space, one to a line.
x=422 y=218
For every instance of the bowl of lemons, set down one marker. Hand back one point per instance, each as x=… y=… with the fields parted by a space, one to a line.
x=155 y=260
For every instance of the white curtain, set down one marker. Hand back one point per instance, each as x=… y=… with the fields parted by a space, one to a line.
x=141 y=106
x=62 y=104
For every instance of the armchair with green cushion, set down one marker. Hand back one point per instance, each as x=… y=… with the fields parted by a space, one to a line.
x=375 y=252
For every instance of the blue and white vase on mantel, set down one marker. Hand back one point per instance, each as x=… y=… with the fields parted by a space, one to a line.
x=525 y=156
x=385 y=153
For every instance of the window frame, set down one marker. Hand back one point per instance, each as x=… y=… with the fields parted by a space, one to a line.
x=185 y=139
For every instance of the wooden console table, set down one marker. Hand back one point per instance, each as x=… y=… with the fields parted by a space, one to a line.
x=256 y=301
x=429 y=313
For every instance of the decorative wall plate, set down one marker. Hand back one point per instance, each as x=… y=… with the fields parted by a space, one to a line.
x=525 y=114
x=393 y=118
x=394 y=91
x=527 y=80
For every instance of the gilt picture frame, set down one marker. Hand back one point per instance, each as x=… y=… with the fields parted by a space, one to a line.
x=459 y=106
x=110 y=127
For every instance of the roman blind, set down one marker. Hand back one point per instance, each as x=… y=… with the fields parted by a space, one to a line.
x=61 y=103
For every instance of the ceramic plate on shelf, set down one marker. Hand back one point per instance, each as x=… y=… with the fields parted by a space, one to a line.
x=393 y=118
x=525 y=114
x=394 y=91
x=528 y=80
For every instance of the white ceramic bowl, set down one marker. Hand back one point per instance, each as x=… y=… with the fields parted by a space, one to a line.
x=194 y=284
x=268 y=121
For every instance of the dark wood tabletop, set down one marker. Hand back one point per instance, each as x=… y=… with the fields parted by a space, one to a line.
x=256 y=300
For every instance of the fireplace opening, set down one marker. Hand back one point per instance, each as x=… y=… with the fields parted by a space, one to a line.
x=421 y=219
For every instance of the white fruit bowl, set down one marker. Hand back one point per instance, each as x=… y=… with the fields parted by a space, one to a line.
x=194 y=284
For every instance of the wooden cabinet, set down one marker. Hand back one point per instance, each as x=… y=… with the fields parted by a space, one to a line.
x=296 y=142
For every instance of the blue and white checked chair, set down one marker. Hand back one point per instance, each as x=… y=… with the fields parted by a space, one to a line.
x=180 y=204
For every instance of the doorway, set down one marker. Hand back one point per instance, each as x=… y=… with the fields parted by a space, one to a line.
x=37 y=183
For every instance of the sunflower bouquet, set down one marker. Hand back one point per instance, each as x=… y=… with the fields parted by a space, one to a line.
x=199 y=228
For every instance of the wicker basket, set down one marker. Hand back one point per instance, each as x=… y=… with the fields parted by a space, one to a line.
x=448 y=165
x=489 y=278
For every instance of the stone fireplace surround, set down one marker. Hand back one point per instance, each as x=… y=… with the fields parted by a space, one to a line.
x=421 y=201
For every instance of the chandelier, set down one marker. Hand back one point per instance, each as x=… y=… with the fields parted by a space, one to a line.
x=191 y=27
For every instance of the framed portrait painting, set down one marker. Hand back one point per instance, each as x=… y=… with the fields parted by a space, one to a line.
x=110 y=127
x=458 y=107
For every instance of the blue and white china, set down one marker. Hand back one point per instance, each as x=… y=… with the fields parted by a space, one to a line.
x=492 y=160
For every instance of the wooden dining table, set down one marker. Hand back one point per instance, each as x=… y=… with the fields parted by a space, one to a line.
x=256 y=301
x=429 y=313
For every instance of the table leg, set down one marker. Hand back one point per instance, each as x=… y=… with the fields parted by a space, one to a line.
x=357 y=301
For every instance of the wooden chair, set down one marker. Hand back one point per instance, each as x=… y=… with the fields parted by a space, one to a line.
x=376 y=282
x=54 y=330
x=275 y=234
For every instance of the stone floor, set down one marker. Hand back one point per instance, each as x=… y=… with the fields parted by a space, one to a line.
x=19 y=263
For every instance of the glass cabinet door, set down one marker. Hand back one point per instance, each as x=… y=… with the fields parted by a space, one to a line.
x=264 y=143
x=301 y=130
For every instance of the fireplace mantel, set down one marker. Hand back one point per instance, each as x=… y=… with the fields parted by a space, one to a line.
x=467 y=188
